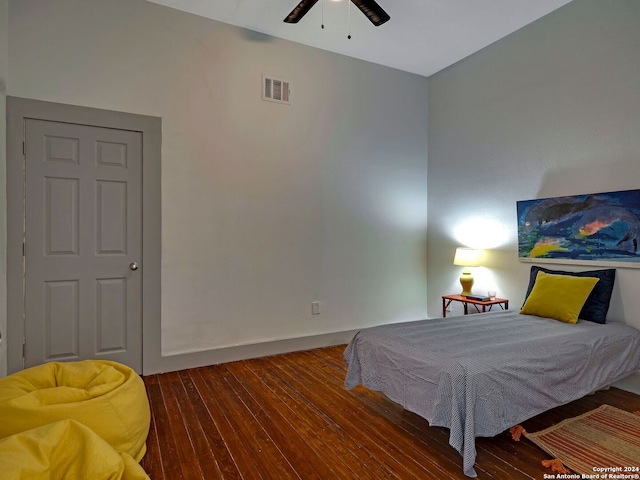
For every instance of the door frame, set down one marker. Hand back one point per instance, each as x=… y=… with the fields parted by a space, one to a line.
x=19 y=109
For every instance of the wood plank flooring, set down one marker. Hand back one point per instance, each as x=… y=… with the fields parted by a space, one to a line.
x=290 y=417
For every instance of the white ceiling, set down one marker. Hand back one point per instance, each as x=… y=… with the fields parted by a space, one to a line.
x=423 y=36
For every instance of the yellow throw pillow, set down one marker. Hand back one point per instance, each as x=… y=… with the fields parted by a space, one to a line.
x=560 y=297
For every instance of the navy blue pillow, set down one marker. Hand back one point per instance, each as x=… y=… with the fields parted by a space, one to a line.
x=597 y=305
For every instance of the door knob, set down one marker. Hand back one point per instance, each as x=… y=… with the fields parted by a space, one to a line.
x=133 y=265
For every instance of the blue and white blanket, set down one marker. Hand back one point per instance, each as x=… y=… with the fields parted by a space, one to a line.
x=479 y=375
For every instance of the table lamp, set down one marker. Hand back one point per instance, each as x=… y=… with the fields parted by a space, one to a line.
x=466 y=257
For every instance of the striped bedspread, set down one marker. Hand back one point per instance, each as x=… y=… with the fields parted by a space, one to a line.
x=480 y=374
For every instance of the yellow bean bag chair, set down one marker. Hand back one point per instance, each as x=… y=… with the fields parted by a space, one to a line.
x=107 y=397
x=64 y=450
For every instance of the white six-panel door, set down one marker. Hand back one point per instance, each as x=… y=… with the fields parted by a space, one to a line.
x=83 y=243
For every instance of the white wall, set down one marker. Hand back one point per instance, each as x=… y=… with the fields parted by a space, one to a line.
x=266 y=208
x=4 y=76
x=551 y=110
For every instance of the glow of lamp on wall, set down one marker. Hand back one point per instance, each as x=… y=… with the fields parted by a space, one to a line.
x=466 y=257
x=482 y=232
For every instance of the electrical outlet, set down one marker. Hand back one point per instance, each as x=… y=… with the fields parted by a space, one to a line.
x=315 y=308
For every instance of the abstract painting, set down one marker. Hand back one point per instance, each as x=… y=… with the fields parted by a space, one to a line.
x=583 y=229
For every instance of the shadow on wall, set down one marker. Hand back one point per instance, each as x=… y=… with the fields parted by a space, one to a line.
x=610 y=176
x=255 y=37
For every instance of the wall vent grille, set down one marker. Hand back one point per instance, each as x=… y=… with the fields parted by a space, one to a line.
x=276 y=90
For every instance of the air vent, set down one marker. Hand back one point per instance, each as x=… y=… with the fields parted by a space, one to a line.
x=276 y=90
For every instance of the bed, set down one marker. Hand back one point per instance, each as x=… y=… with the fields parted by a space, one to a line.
x=478 y=375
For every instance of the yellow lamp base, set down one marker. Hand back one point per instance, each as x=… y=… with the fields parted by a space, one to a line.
x=466 y=280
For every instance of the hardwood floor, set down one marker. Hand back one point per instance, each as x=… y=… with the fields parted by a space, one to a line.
x=289 y=416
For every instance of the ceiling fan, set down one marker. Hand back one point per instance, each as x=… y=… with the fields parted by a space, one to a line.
x=370 y=8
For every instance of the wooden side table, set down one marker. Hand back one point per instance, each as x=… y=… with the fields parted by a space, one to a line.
x=447 y=299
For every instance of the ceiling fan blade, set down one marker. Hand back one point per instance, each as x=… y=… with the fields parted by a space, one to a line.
x=373 y=11
x=300 y=11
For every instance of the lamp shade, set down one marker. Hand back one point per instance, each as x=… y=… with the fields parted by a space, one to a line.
x=467 y=257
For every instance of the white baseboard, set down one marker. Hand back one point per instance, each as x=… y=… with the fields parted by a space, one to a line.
x=630 y=383
x=172 y=363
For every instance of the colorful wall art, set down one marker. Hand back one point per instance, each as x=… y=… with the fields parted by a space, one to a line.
x=601 y=227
